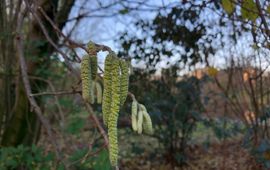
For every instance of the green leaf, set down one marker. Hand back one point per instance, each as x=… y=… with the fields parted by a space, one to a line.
x=75 y=125
x=12 y=163
x=61 y=167
x=102 y=161
x=249 y=10
x=49 y=157
x=78 y=155
x=228 y=6
x=124 y=11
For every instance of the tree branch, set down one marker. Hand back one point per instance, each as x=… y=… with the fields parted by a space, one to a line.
x=263 y=18
x=26 y=82
x=55 y=93
x=68 y=64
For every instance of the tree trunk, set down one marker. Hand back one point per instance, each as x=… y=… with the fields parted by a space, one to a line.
x=19 y=125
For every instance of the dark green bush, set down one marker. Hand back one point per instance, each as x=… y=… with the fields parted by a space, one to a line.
x=174 y=106
x=24 y=157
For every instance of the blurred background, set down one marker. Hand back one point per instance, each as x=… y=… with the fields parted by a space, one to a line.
x=201 y=68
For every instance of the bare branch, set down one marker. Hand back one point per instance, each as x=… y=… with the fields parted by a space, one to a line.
x=97 y=122
x=26 y=82
x=61 y=114
x=69 y=65
x=263 y=17
x=55 y=93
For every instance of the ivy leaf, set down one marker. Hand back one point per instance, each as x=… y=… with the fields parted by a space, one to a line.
x=249 y=10
x=228 y=6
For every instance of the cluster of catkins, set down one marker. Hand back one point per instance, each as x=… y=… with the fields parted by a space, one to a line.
x=140 y=119
x=90 y=85
x=115 y=93
x=115 y=84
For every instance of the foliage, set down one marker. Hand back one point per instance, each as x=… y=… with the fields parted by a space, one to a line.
x=249 y=10
x=24 y=157
x=81 y=160
x=228 y=6
x=224 y=128
x=75 y=125
x=34 y=158
x=16 y=113
x=167 y=30
x=262 y=153
x=185 y=32
x=174 y=106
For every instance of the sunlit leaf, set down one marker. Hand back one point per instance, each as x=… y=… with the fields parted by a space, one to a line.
x=212 y=71
x=249 y=10
x=228 y=6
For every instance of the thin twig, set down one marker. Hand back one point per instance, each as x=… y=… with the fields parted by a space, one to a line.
x=263 y=18
x=97 y=122
x=55 y=93
x=66 y=58
x=61 y=114
x=73 y=44
x=101 y=47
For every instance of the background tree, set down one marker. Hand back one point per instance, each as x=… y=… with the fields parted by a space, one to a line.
x=19 y=123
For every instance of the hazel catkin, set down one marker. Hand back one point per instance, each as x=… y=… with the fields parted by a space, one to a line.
x=86 y=78
x=115 y=107
x=134 y=113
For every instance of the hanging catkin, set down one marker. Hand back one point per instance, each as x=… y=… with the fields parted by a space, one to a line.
x=134 y=112
x=115 y=106
x=98 y=92
x=140 y=121
x=124 y=81
x=94 y=66
x=147 y=122
x=115 y=91
x=86 y=78
x=107 y=92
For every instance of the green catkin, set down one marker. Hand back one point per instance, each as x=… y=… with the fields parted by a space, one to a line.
x=130 y=67
x=115 y=106
x=92 y=91
x=86 y=78
x=107 y=93
x=140 y=121
x=134 y=112
x=98 y=92
x=91 y=47
x=147 y=122
x=94 y=66
x=124 y=79
x=93 y=70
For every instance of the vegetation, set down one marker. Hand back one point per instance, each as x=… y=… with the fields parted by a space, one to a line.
x=184 y=85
